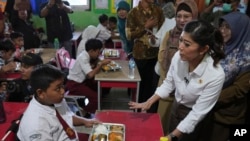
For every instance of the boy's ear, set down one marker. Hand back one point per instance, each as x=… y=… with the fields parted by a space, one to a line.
x=39 y=93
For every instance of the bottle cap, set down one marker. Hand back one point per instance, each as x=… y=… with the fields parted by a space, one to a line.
x=163 y=138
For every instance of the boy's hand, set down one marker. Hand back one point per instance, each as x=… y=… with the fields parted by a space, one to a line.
x=91 y=122
x=11 y=66
x=106 y=61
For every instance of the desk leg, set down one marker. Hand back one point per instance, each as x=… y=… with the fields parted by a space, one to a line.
x=99 y=95
x=137 y=93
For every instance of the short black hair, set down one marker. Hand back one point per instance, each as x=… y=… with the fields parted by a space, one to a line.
x=103 y=18
x=31 y=59
x=43 y=75
x=7 y=45
x=113 y=19
x=15 y=35
x=93 y=44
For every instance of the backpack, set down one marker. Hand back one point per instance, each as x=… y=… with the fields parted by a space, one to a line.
x=63 y=60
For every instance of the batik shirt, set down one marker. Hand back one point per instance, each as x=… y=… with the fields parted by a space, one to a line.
x=136 y=32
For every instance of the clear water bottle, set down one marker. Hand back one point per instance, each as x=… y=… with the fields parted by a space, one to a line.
x=56 y=43
x=131 y=66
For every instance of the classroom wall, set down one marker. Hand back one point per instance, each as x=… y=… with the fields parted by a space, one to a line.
x=82 y=19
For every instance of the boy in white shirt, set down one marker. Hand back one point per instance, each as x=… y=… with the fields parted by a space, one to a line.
x=48 y=116
x=81 y=75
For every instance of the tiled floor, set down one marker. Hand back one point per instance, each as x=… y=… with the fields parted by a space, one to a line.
x=117 y=99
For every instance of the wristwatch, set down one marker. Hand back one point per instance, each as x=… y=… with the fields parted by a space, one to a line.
x=173 y=137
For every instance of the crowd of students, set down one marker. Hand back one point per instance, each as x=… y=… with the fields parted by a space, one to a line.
x=194 y=61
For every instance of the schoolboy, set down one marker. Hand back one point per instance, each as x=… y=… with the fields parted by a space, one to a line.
x=81 y=76
x=48 y=116
x=112 y=24
x=18 y=41
x=22 y=91
x=7 y=49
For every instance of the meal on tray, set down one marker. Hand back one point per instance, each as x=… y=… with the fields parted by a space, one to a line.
x=111 y=53
x=108 y=132
x=112 y=66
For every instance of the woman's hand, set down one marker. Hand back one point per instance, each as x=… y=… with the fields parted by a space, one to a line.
x=152 y=38
x=143 y=106
x=151 y=22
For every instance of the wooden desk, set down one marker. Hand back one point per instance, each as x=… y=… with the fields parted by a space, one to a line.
x=118 y=79
x=116 y=39
x=116 y=42
x=48 y=54
x=139 y=126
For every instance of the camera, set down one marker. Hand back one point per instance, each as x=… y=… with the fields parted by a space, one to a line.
x=11 y=86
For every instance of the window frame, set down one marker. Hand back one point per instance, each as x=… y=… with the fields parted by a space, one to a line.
x=81 y=7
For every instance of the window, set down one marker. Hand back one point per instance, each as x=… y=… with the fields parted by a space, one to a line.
x=80 y=5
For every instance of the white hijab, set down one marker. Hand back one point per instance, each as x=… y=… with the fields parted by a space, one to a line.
x=88 y=33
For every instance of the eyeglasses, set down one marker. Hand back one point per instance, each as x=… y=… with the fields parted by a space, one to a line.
x=224 y=26
x=185 y=16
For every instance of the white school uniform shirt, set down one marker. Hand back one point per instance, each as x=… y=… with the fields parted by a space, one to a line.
x=198 y=90
x=40 y=122
x=104 y=34
x=88 y=33
x=166 y=26
x=81 y=68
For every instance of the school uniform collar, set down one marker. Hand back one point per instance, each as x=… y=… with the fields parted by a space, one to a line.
x=45 y=108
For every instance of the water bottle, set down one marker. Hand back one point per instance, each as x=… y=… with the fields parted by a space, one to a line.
x=2 y=112
x=131 y=66
x=56 y=43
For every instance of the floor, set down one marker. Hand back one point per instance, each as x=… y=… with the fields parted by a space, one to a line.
x=117 y=99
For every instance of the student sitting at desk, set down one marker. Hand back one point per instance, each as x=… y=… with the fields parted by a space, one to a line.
x=7 y=49
x=18 y=41
x=48 y=116
x=105 y=34
x=22 y=91
x=88 y=33
x=112 y=24
x=81 y=75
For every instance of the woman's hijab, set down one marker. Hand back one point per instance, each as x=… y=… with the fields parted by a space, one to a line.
x=121 y=22
x=173 y=42
x=191 y=4
x=237 y=48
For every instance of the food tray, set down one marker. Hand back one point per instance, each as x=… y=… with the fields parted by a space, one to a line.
x=111 y=53
x=112 y=66
x=108 y=132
